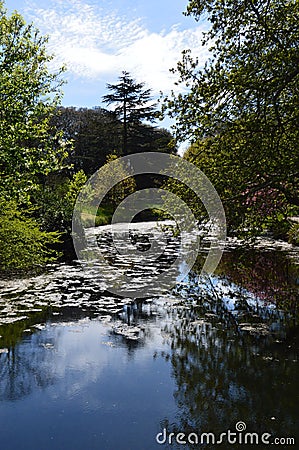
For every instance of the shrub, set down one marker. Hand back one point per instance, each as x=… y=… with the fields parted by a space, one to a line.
x=22 y=244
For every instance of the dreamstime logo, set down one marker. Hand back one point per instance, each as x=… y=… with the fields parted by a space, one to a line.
x=237 y=436
x=118 y=276
x=240 y=426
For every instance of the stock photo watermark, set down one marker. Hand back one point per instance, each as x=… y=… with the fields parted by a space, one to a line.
x=237 y=436
x=125 y=251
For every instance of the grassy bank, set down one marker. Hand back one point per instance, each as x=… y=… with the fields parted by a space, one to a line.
x=105 y=213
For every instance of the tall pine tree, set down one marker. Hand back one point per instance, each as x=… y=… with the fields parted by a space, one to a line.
x=133 y=104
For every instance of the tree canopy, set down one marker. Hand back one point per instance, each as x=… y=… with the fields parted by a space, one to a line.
x=29 y=94
x=241 y=110
x=97 y=133
x=94 y=133
x=30 y=147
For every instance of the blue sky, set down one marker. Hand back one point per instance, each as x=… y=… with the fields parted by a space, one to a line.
x=97 y=39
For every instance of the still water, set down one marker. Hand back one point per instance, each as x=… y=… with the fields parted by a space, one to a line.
x=83 y=369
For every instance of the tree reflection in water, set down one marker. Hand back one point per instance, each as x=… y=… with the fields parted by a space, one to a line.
x=24 y=368
x=271 y=276
x=234 y=354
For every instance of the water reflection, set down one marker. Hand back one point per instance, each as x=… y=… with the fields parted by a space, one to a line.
x=78 y=385
x=224 y=376
x=33 y=363
x=82 y=368
x=234 y=353
x=23 y=369
x=270 y=276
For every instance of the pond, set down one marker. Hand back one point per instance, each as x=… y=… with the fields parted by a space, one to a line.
x=213 y=360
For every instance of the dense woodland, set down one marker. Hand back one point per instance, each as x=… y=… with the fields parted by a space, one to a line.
x=97 y=133
x=240 y=113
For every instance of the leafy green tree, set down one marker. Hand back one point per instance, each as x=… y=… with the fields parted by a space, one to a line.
x=22 y=244
x=99 y=186
x=55 y=200
x=133 y=105
x=94 y=133
x=241 y=110
x=147 y=138
x=29 y=94
x=30 y=148
x=109 y=172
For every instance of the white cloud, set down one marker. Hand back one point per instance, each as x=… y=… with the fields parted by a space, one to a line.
x=153 y=55
x=97 y=45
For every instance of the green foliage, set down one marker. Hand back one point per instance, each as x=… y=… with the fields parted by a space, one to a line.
x=56 y=199
x=103 y=216
x=96 y=133
x=242 y=108
x=122 y=189
x=31 y=148
x=100 y=188
x=147 y=138
x=29 y=95
x=23 y=244
x=293 y=234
